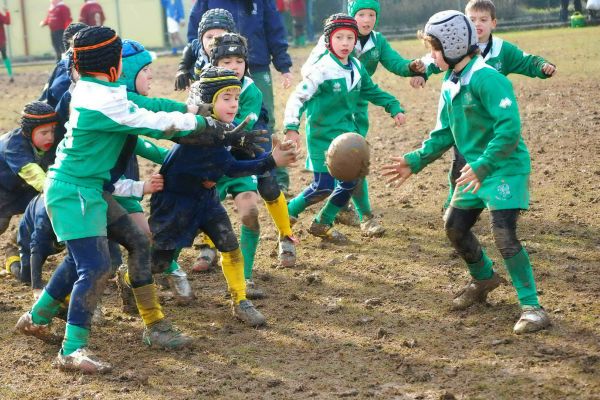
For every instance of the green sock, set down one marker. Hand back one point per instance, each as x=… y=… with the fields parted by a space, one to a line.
x=248 y=244
x=44 y=309
x=297 y=205
x=360 y=199
x=521 y=274
x=173 y=267
x=8 y=67
x=328 y=213
x=482 y=269
x=76 y=337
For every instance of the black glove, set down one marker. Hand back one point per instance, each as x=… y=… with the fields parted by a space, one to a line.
x=183 y=80
x=213 y=134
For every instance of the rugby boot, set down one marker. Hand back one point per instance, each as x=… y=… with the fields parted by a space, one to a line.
x=180 y=286
x=26 y=326
x=371 y=227
x=532 y=319
x=164 y=334
x=347 y=216
x=207 y=259
x=326 y=232
x=248 y=314
x=476 y=291
x=253 y=292
x=287 y=251
x=81 y=360
x=128 y=304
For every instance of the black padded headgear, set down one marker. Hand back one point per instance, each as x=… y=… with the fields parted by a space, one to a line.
x=70 y=31
x=97 y=51
x=337 y=22
x=216 y=18
x=35 y=114
x=229 y=45
x=213 y=80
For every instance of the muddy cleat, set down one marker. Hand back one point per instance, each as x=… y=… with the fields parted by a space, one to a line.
x=207 y=259
x=326 y=232
x=347 y=216
x=287 y=251
x=128 y=304
x=26 y=326
x=81 y=360
x=532 y=319
x=476 y=291
x=253 y=292
x=165 y=335
x=180 y=286
x=248 y=314
x=370 y=227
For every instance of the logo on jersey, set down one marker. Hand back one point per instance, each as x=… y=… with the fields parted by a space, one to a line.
x=505 y=102
x=337 y=87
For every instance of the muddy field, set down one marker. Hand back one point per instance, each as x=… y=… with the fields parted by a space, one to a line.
x=371 y=319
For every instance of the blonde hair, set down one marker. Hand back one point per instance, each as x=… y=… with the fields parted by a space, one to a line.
x=481 y=5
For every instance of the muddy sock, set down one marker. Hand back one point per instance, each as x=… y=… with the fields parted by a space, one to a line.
x=45 y=309
x=76 y=338
x=206 y=240
x=248 y=244
x=521 y=274
x=173 y=267
x=10 y=260
x=327 y=214
x=279 y=212
x=482 y=269
x=360 y=199
x=233 y=268
x=297 y=205
x=148 y=305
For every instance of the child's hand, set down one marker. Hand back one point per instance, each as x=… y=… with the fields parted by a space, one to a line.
x=286 y=80
x=294 y=136
x=285 y=154
x=417 y=82
x=548 y=69
x=417 y=66
x=468 y=177
x=399 y=119
x=155 y=184
x=399 y=171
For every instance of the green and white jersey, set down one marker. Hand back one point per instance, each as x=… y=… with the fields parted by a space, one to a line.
x=101 y=117
x=250 y=102
x=479 y=113
x=505 y=58
x=330 y=93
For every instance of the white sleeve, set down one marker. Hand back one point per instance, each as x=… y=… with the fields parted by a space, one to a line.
x=128 y=188
x=303 y=93
x=316 y=52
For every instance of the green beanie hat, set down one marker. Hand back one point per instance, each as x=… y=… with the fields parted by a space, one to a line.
x=135 y=57
x=355 y=6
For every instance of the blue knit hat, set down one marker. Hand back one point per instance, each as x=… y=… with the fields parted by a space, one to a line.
x=135 y=58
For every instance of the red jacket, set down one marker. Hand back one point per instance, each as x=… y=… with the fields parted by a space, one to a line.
x=297 y=8
x=58 y=17
x=88 y=12
x=4 y=20
x=280 y=4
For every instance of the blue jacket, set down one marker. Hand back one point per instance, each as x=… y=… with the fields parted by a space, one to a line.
x=58 y=83
x=16 y=151
x=262 y=27
x=174 y=9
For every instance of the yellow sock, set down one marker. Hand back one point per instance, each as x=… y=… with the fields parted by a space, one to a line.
x=206 y=240
x=146 y=299
x=233 y=268
x=11 y=260
x=279 y=212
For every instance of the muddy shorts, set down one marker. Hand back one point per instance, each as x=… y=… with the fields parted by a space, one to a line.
x=496 y=193
x=235 y=186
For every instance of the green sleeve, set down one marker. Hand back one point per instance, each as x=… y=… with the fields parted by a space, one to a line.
x=392 y=60
x=372 y=93
x=150 y=151
x=518 y=62
x=156 y=104
x=439 y=141
x=497 y=96
x=250 y=104
x=432 y=69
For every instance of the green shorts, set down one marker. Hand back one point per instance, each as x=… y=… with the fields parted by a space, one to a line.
x=235 y=186
x=132 y=205
x=76 y=212
x=496 y=193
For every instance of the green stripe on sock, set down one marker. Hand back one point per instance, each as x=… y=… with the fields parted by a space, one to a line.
x=521 y=274
x=328 y=213
x=248 y=244
x=44 y=309
x=76 y=338
x=482 y=269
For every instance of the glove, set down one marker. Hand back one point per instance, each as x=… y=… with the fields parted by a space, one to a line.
x=213 y=134
x=245 y=143
x=182 y=80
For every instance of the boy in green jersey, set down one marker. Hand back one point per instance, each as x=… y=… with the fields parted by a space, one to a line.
x=478 y=113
